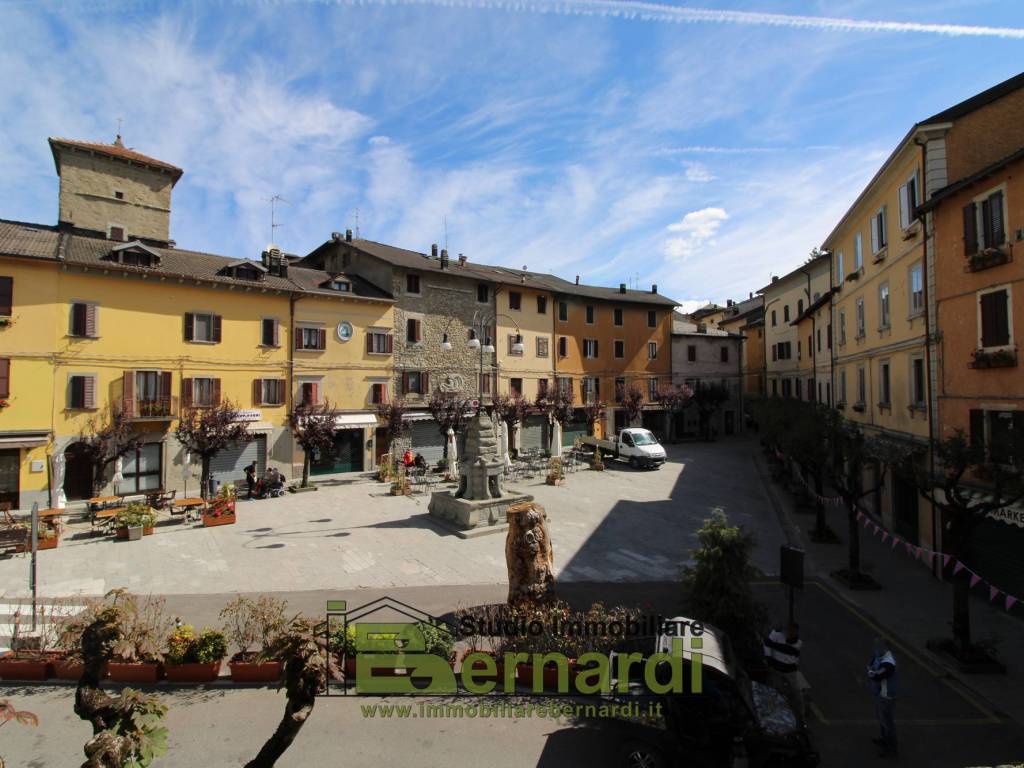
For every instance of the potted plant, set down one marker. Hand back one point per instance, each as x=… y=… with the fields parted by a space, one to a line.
x=221 y=510
x=343 y=646
x=555 y=473
x=598 y=461
x=480 y=645
x=49 y=538
x=136 y=521
x=192 y=658
x=249 y=623
x=138 y=653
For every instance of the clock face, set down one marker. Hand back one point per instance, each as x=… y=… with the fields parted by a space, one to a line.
x=344 y=331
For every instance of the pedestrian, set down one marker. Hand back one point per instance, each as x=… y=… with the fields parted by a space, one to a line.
x=884 y=683
x=782 y=654
x=250 y=478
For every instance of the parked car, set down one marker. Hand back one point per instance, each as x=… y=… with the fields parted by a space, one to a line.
x=634 y=444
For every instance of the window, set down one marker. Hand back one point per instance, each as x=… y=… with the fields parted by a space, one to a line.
x=515 y=387
x=691 y=353
x=883 y=384
x=799 y=389
x=818 y=339
x=6 y=296
x=652 y=350
x=81 y=391
x=916 y=290
x=917 y=382
x=590 y=314
x=908 y=202
x=515 y=300
x=994 y=432
x=542 y=305
x=775 y=352
x=115 y=232
x=83 y=320
x=860 y=318
x=774 y=319
x=787 y=388
x=861 y=386
x=415 y=383
x=652 y=390
x=118 y=194
x=200 y=392
x=842 y=327
x=842 y=386
x=142 y=470
x=994 y=317
x=542 y=346
x=652 y=319
x=724 y=352
x=379 y=393
x=563 y=311
x=617 y=316
x=310 y=337
x=828 y=336
x=799 y=307
x=840 y=275
x=412 y=283
x=798 y=349
x=590 y=348
x=564 y=384
x=984 y=223
x=511 y=343
x=590 y=389
x=785 y=313
x=202 y=327
x=378 y=343
x=563 y=346
x=879 y=237
x=483 y=293
x=268 y=392
x=270 y=334
x=883 y=305
x=413 y=330
x=542 y=389
x=309 y=393
x=858 y=252
x=152 y=393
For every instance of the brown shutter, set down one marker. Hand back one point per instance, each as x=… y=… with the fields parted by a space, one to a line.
x=405 y=382
x=298 y=338
x=129 y=393
x=89 y=391
x=6 y=296
x=978 y=429
x=390 y=343
x=78 y=312
x=996 y=234
x=257 y=391
x=425 y=383
x=970 y=229
x=90 y=320
x=321 y=338
x=216 y=329
x=186 y=393
x=165 y=384
x=77 y=393
x=314 y=397
x=994 y=320
x=369 y=342
x=5 y=377
x=190 y=323
x=277 y=333
x=215 y=392
x=417 y=330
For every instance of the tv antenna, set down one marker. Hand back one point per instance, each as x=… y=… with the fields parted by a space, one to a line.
x=357 y=223
x=444 y=222
x=273 y=213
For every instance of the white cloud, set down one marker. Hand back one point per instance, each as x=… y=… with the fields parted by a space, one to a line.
x=696 y=230
x=698 y=172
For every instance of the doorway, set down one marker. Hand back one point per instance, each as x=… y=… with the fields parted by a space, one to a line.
x=905 y=517
x=10 y=468
x=380 y=445
x=77 y=473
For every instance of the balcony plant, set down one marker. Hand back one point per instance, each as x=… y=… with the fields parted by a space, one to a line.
x=136 y=515
x=221 y=510
x=192 y=658
x=1000 y=358
x=988 y=257
x=253 y=626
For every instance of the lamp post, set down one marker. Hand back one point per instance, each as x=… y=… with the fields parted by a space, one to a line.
x=479 y=330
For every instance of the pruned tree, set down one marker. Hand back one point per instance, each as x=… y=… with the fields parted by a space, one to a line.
x=966 y=485
x=208 y=431
x=107 y=437
x=512 y=409
x=307 y=665
x=528 y=556
x=313 y=427
x=674 y=399
x=560 y=405
x=708 y=398
x=806 y=433
x=393 y=416
x=451 y=411
x=632 y=398
x=593 y=412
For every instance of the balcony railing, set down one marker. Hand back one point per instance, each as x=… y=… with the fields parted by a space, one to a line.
x=154 y=409
x=988 y=257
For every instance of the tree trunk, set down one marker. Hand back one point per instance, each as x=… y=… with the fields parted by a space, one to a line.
x=528 y=555
x=205 y=478
x=853 y=565
x=305 y=469
x=105 y=749
x=962 y=612
x=296 y=712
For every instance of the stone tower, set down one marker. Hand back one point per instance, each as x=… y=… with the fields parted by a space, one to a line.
x=114 y=191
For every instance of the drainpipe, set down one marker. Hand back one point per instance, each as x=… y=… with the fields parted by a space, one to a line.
x=289 y=395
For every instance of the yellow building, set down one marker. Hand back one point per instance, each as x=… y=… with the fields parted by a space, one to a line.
x=525 y=313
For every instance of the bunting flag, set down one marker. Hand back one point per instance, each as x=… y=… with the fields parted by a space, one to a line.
x=1010 y=600
x=945 y=560
x=958 y=567
x=993 y=593
x=860 y=515
x=877 y=529
x=895 y=541
x=885 y=535
x=975 y=578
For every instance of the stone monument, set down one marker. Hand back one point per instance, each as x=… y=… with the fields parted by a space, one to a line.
x=481 y=502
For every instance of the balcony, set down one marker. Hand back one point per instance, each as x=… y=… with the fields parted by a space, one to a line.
x=988 y=258
x=1000 y=358
x=162 y=408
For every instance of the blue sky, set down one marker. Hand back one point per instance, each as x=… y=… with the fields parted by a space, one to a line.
x=702 y=151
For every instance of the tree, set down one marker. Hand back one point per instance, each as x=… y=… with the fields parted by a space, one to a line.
x=313 y=428
x=633 y=401
x=208 y=431
x=528 y=556
x=804 y=432
x=708 y=398
x=107 y=437
x=512 y=410
x=393 y=416
x=592 y=413
x=674 y=400
x=954 y=488
x=450 y=410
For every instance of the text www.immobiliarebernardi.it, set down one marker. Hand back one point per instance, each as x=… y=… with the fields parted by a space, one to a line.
x=510 y=710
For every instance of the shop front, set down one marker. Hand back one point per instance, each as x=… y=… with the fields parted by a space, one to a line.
x=353 y=438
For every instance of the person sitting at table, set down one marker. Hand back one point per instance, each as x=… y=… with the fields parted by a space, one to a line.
x=408 y=459
x=274 y=482
x=420 y=462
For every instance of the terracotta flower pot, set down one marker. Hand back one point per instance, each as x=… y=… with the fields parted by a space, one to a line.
x=210 y=521
x=143 y=673
x=549 y=675
x=478 y=664
x=71 y=669
x=122 y=532
x=245 y=670
x=193 y=672
x=35 y=667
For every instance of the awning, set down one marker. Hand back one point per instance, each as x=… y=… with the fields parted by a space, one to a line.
x=23 y=439
x=355 y=420
x=417 y=416
x=260 y=427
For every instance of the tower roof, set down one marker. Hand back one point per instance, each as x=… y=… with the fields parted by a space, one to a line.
x=116 y=150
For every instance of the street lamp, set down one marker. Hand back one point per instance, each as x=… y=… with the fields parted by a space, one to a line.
x=480 y=324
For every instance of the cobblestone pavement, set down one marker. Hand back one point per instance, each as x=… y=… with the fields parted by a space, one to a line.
x=619 y=525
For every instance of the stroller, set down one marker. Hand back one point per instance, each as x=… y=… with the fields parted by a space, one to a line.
x=270 y=487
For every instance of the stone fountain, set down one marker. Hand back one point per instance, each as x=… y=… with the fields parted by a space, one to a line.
x=481 y=503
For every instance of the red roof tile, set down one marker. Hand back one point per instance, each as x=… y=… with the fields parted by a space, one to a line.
x=113 y=150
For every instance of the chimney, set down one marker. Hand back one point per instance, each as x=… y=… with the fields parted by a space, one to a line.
x=348 y=235
x=433 y=250
x=751 y=295
x=729 y=302
x=462 y=260
x=622 y=287
x=577 y=279
x=118 y=142
x=775 y=278
x=654 y=288
x=336 y=237
x=444 y=258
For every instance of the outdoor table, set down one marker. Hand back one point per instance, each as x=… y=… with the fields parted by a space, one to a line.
x=106 y=517
x=99 y=502
x=50 y=513
x=189 y=505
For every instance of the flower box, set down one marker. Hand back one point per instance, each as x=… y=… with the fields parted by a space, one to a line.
x=122 y=532
x=193 y=672
x=50 y=543
x=28 y=667
x=143 y=673
x=65 y=668
x=549 y=675
x=244 y=669
x=478 y=664
x=990 y=257
x=226 y=518
x=1003 y=358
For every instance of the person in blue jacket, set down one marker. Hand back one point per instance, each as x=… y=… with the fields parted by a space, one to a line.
x=884 y=683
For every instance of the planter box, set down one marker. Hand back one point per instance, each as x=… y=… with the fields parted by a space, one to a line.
x=499 y=674
x=193 y=672
x=71 y=669
x=251 y=672
x=122 y=533
x=549 y=675
x=143 y=673
x=41 y=544
x=31 y=668
x=210 y=521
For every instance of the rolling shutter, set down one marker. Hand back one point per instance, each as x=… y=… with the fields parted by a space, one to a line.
x=229 y=465
x=534 y=433
x=426 y=439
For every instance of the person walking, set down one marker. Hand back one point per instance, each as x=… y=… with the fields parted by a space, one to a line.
x=782 y=654
x=250 y=478
x=884 y=682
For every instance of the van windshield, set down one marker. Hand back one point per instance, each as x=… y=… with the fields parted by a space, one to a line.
x=644 y=438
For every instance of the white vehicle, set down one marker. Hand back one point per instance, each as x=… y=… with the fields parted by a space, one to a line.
x=636 y=445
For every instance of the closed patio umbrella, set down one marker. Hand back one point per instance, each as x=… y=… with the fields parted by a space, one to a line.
x=503 y=446
x=556 y=440
x=453 y=454
x=118 y=472
x=58 y=465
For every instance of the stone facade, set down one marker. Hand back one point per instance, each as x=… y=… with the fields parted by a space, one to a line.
x=710 y=366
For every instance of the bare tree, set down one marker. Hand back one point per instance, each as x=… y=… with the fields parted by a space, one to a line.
x=593 y=413
x=633 y=402
x=393 y=416
x=674 y=399
x=208 y=431
x=107 y=437
x=313 y=427
x=451 y=411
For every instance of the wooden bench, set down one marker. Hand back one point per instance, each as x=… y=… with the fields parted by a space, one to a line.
x=13 y=537
x=106 y=519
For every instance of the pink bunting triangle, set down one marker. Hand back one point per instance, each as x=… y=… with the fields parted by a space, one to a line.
x=958 y=567
x=975 y=578
x=885 y=536
x=877 y=529
x=945 y=560
x=1010 y=600
x=992 y=593
x=895 y=541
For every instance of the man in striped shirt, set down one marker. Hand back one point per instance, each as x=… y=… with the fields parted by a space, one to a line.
x=782 y=654
x=883 y=680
